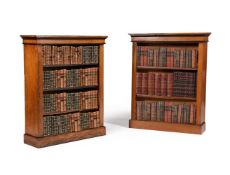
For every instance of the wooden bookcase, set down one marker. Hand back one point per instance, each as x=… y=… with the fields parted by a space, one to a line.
x=144 y=62
x=50 y=128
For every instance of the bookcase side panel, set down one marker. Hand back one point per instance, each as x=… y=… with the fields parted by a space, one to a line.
x=101 y=84
x=133 y=104
x=33 y=91
x=201 y=82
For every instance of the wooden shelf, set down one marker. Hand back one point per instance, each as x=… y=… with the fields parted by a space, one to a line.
x=165 y=126
x=40 y=142
x=83 y=88
x=166 y=98
x=67 y=112
x=62 y=66
x=165 y=68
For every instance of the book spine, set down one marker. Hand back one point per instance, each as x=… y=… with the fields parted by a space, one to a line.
x=154 y=111
x=139 y=83
x=158 y=84
x=164 y=78
x=144 y=83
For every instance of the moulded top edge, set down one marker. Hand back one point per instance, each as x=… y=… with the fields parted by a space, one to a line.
x=63 y=37
x=169 y=34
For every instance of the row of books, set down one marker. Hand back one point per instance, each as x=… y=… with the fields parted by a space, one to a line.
x=167 y=57
x=178 y=84
x=54 y=55
x=166 y=111
x=74 y=122
x=65 y=78
x=74 y=101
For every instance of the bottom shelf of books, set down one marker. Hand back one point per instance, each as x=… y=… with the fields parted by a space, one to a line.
x=166 y=116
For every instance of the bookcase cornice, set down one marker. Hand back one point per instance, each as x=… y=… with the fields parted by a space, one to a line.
x=170 y=37
x=169 y=34
x=63 y=39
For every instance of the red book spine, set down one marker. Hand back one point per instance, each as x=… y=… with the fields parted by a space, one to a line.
x=164 y=79
x=158 y=83
x=169 y=57
x=144 y=83
x=151 y=83
x=170 y=84
x=139 y=83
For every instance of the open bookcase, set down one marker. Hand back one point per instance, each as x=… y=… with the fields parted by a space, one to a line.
x=169 y=81
x=63 y=88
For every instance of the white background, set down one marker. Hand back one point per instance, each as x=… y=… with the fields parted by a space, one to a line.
x=122 y=150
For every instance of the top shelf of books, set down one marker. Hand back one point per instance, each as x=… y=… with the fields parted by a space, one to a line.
x=162 y=57
x=56 y=56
